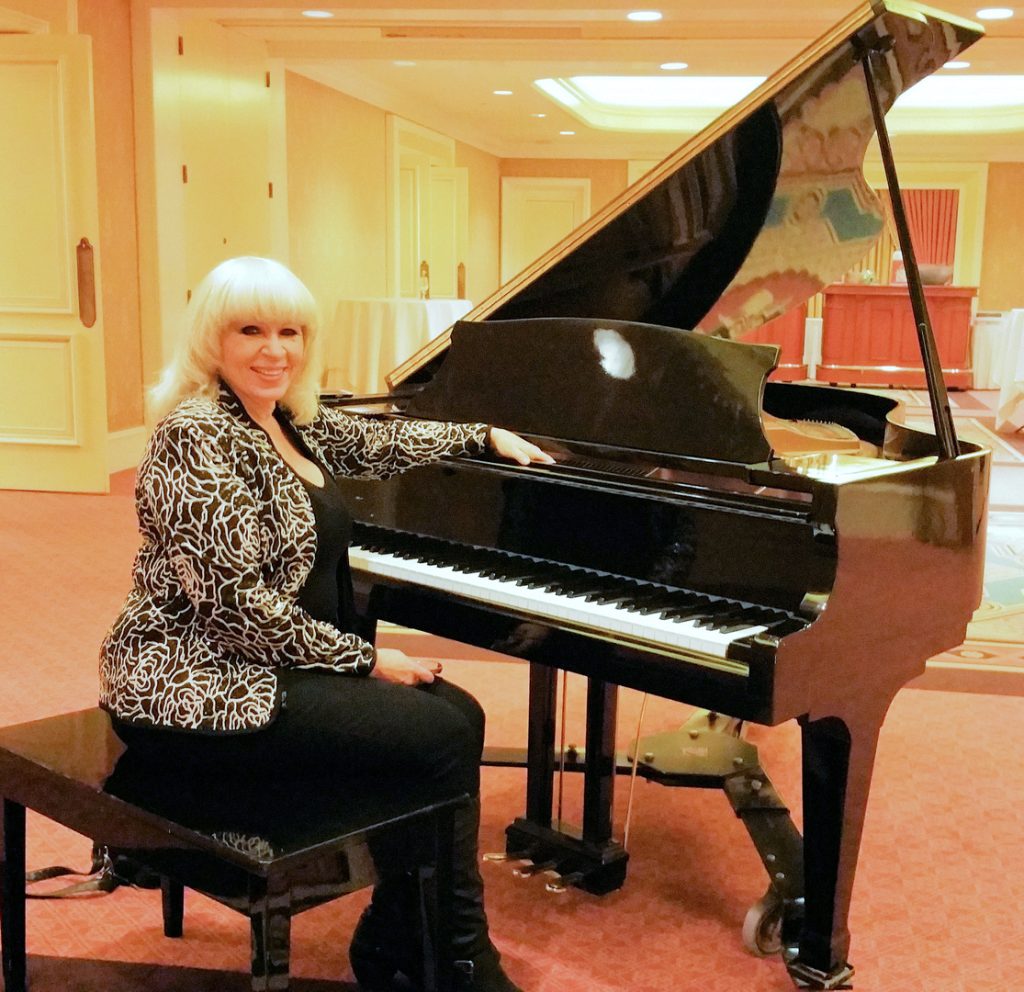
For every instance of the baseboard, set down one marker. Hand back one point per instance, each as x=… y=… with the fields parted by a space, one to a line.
x=125 y=448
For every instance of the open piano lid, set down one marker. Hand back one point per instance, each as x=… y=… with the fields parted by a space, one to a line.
x=747 y=219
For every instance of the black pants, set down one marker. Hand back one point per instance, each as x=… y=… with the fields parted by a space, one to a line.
x=344 y=727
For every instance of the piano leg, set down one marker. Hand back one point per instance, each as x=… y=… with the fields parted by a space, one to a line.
x=599 y=773
x=540 y=744
x=838 y=757
x=588 y=859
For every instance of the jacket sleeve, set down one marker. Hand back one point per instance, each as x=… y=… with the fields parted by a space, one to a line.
x=207 y=518
x=377 y=448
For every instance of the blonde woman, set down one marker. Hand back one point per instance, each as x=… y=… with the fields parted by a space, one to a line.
x=238 y=646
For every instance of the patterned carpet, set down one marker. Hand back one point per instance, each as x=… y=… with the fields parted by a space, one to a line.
x=992 y=657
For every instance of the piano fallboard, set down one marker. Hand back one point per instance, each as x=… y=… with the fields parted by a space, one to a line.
x=759 y=550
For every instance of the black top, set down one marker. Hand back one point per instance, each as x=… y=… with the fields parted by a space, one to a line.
x=327 y=592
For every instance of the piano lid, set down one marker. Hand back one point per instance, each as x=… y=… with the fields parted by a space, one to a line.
x=751 y=216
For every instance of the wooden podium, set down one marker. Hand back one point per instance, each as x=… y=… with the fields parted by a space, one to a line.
x=869 y=338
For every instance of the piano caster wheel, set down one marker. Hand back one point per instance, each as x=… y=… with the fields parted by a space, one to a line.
x=762 y=926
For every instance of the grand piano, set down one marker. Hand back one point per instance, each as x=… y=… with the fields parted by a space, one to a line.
x=765 y=551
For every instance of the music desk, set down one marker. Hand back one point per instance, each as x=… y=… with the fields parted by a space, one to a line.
x=366 y=338
x=268 y=849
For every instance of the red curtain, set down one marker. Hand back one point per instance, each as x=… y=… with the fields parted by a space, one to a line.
x=931 y=217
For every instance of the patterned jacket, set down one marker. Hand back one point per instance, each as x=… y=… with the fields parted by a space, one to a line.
x=228 y=538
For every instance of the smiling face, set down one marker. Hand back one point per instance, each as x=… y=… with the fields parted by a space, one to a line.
x=259 y=361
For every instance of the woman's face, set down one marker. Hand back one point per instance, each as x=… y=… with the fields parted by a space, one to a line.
x=260 y=360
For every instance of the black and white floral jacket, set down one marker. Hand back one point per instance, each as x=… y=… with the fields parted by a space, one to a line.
x=228 y=539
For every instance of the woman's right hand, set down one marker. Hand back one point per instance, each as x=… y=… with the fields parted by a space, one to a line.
x=396 y=666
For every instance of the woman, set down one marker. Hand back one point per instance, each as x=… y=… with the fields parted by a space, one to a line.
x=237 y=647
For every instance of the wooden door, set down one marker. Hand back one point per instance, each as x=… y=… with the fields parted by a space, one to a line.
x=447 y=230
x=535 y=215
x=53 y=418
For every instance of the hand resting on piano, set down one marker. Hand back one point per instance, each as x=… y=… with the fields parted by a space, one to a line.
x=516 y=448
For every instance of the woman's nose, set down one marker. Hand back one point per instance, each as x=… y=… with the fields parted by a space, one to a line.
x=273 y=344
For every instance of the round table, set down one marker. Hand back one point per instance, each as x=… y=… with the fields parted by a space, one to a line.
x=367 y=338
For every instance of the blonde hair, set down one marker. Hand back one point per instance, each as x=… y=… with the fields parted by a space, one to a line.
x=243 y=289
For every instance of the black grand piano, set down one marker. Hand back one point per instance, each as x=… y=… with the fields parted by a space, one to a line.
x=743 y=546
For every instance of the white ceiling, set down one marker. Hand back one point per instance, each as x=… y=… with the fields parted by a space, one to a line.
x=464 y=50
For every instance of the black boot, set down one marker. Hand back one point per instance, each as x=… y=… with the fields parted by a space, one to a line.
x=386 y=940
x=476 y=962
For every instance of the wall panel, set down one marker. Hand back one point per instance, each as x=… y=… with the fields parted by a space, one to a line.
x=1002 y=269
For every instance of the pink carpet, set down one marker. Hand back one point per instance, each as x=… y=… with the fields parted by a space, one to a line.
x=936 y=905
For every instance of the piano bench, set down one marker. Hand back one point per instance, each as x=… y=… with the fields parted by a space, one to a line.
x=268 y=850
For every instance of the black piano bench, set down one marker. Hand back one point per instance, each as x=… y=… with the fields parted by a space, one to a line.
x=266 y=849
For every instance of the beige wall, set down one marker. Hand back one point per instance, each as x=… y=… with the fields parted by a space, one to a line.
x=336 y=192
x=484 y=220
x=1002 y=266
x=108 y=23
x=607 y=176
x=59 y=14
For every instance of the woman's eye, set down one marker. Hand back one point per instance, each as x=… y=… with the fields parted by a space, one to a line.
x=250 y=329
x=290 y=332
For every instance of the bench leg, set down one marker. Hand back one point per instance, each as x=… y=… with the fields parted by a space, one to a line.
x=172 y=895
x=435 y=900
x=270 y=919
x=12 y=914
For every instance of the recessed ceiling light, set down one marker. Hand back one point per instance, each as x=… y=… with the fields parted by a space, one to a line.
x=502 y=92
x=403 y=62
x=566 y=132
x=675 y=65
x=644 y=15
x=538 y=115
x=956 y=92
x=317 y=14
x=957 y=65
x=994 y=13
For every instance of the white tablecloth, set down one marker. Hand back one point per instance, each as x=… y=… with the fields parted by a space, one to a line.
x=1009 y=370
x=366 y=339
x=987 y=334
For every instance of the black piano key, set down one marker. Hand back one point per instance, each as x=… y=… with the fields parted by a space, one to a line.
x=621 y=596
x=512 y=569
x=574 y=583
x=540 y=580
x=748 y=617
x=561 y=587
x=781 y=628
x=688 y=610
x=603 y=589
x=656 y=603
x=714 y=613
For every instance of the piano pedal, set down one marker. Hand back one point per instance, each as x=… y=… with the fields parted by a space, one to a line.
x=562 y=883
x=534 y=868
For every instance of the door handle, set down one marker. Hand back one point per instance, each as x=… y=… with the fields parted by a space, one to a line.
x=86 y=283
x=424 y=280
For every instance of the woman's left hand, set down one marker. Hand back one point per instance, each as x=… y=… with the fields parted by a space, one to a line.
x=517 y=448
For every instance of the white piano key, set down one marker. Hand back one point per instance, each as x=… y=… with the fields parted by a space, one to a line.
x=545 y=604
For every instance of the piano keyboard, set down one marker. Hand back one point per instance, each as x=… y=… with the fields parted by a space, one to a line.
x=566 y=596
